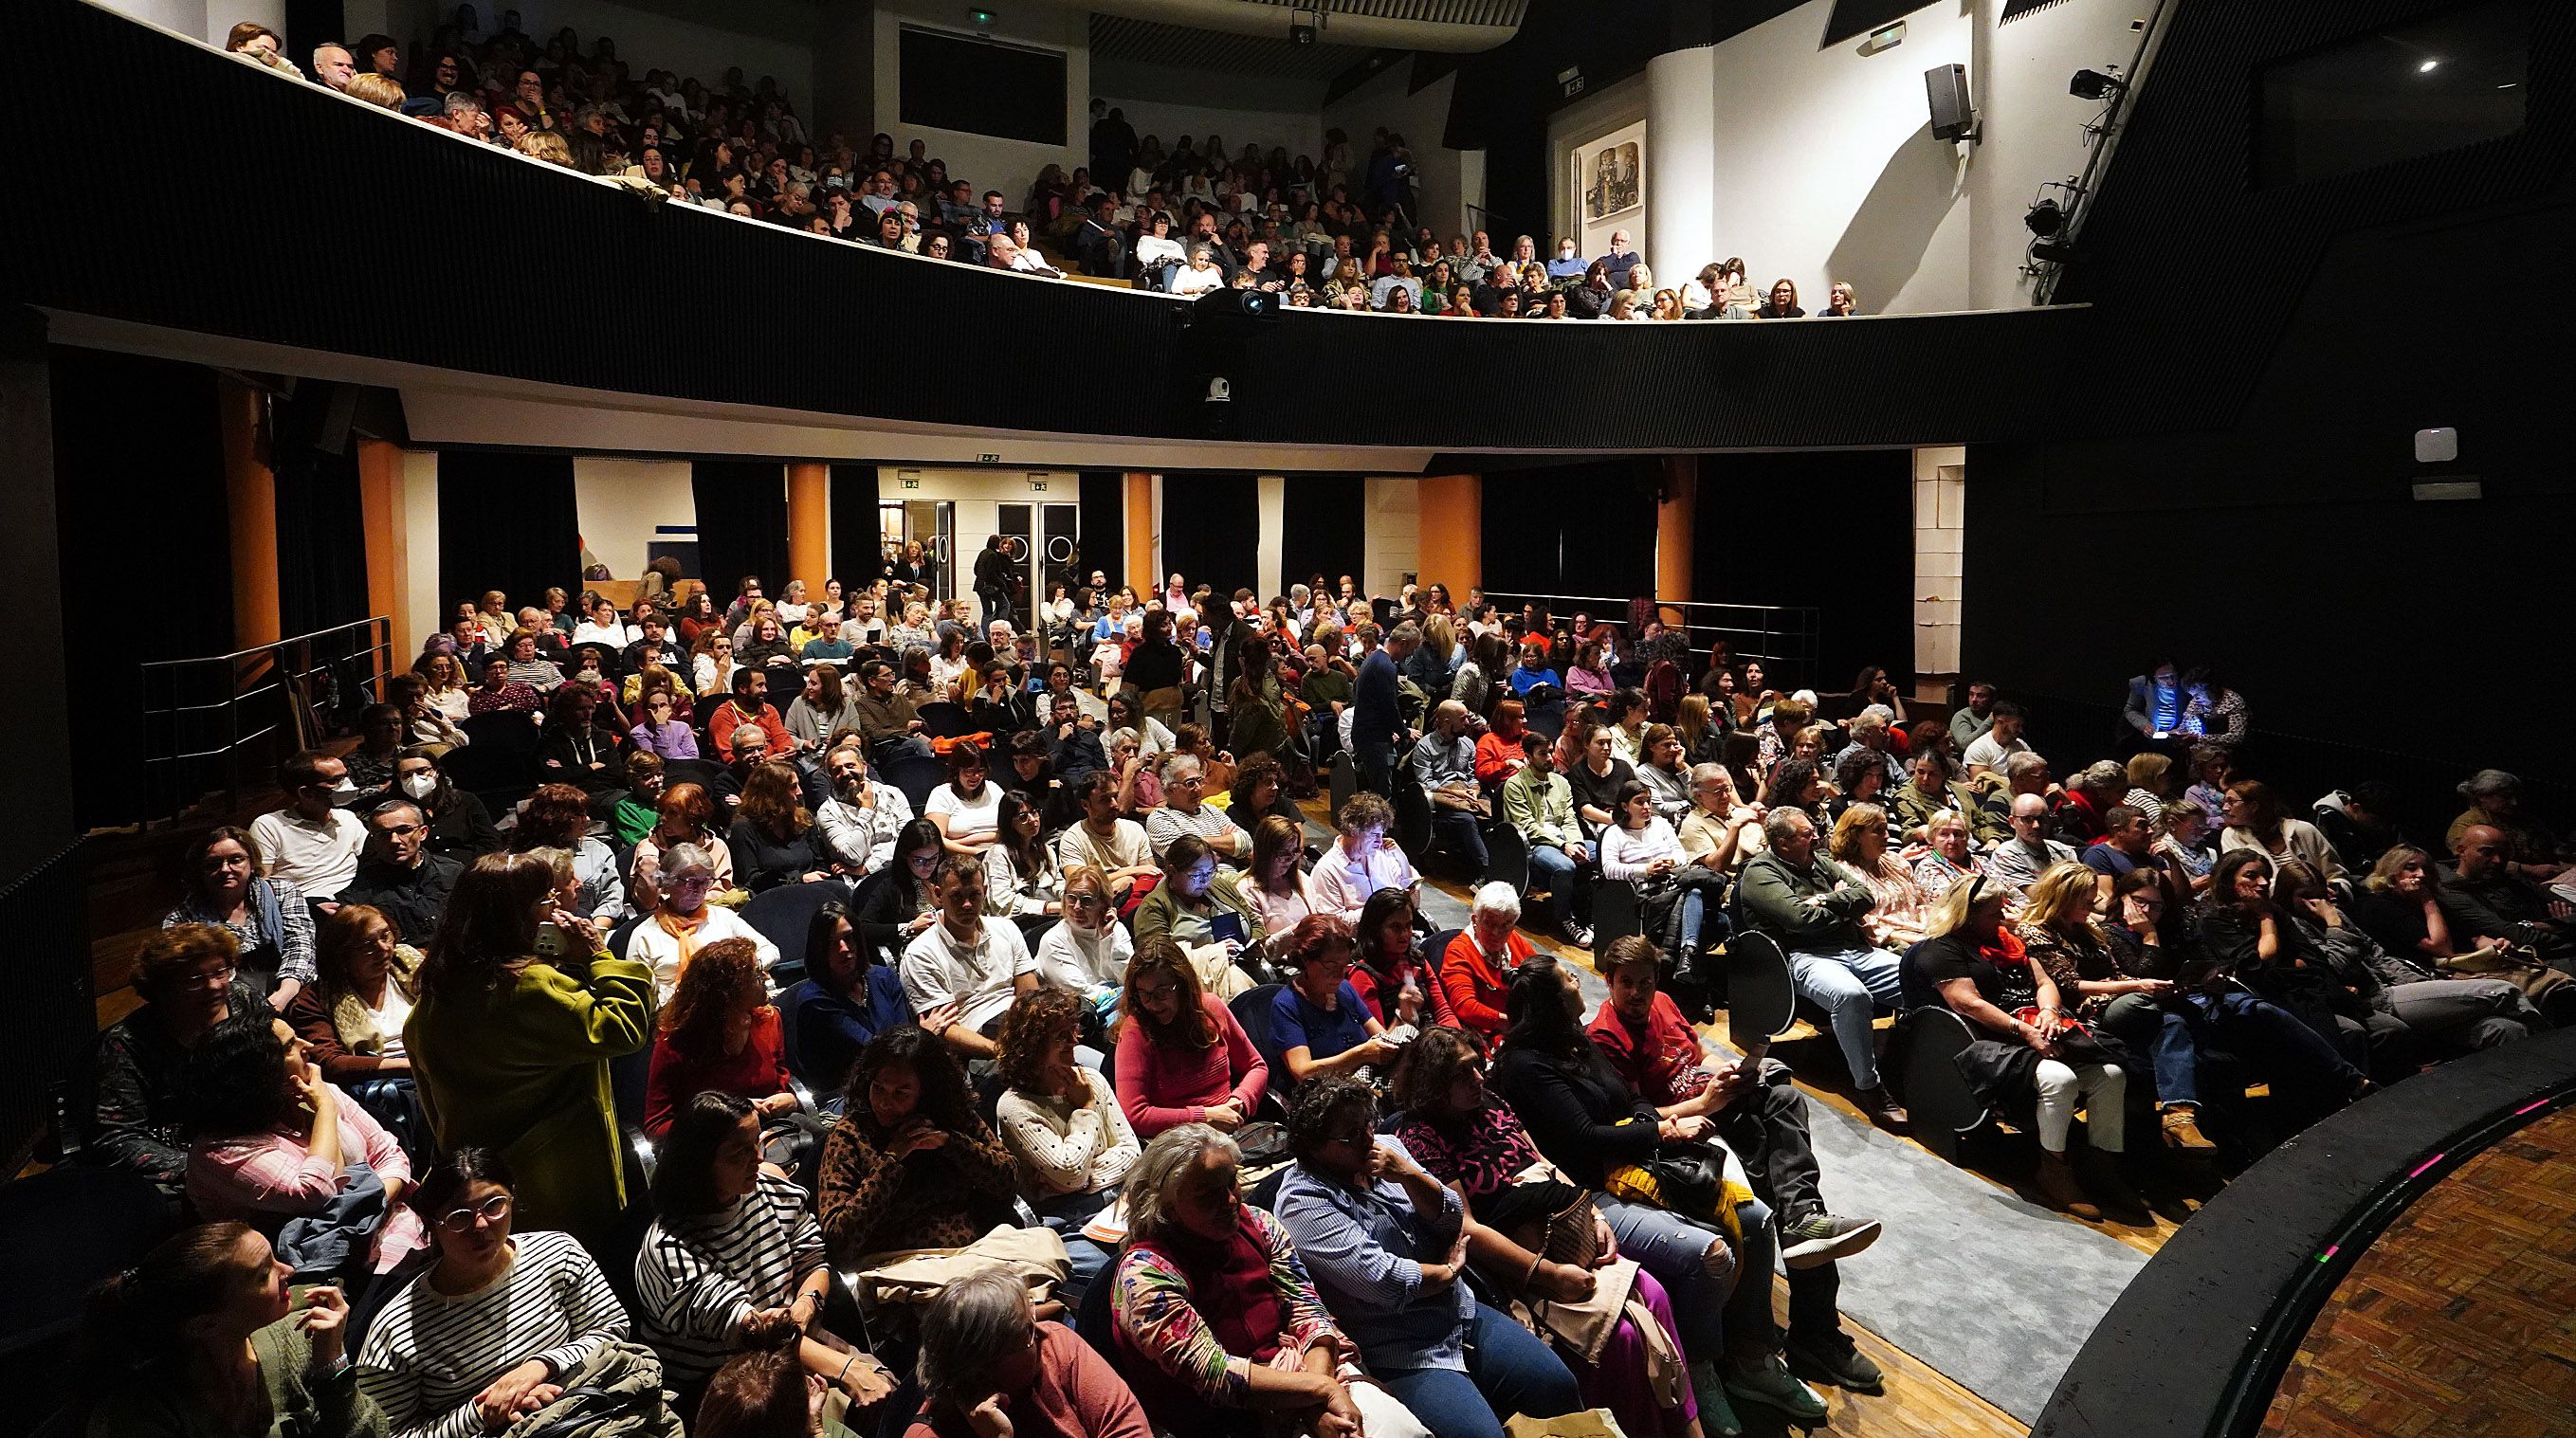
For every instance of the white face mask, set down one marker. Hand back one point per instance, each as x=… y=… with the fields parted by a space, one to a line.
x=420 y=785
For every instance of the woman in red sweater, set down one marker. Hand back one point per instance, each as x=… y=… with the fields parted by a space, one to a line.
x=719 y=1033
x=1182 y=1058
x=1476 y=970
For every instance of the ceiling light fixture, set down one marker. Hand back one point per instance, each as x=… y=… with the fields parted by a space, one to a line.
x=2428 y=67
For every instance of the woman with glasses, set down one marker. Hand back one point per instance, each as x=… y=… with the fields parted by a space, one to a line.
x=498 y=1326
x=352 y=1017
x=1387 y=1246
x=684 y=922
x=897 y=904
x=1089 y=951
x=219 y=876
x=1201 y=908
x=187 y=976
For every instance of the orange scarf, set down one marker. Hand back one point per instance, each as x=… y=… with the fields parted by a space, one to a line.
x=683 y=931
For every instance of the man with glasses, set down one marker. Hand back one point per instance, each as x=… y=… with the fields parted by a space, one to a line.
x=962 y=960
x=399 y=876
x=2018 y=862
x=1185 y=811
x=309 y=843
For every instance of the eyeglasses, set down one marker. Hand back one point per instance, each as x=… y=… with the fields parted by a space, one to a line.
x=206 y=979
x=490 y=1210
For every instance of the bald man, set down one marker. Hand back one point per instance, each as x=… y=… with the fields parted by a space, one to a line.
x=2494 y=903
x=334 y=66
x=2019 y=860
x=1444 y=764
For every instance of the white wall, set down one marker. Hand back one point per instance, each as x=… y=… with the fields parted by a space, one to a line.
x=1940 y=523
x=427 y=606
x=621 y=503
x=1823 y=163
x=1297 y=133
x=2033 y=129
x=985 y=161
x=1394 y=545
x=1583 y=124
x=1449 y=183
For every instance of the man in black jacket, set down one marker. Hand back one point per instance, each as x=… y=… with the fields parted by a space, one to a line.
x=2495 y=903
x=399 y=876
x=993 y=580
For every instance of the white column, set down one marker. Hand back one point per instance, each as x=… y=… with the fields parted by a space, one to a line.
x=420 y=545
x=1681 y=164
x=1273 y=491
x=1940 y=526
x=1394 y=542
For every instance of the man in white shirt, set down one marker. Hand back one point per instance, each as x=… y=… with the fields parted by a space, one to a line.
x=1184 y=786
x=605 y=629
x=1998 y=743
x=308 y=843
x=859 y=822
x=964 y=962
x=1116 y=847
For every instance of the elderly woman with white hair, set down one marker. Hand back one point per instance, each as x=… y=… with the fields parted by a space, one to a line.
x=685 y=922
x=1216 y=1324
x=1476 y=969
x=989 y=1369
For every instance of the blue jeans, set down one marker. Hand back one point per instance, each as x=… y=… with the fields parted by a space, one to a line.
x=1066 y=1214
x=1509 y=1370
x=1694 y=906
x=1709 y=1308
x=1848 y=984
x=1551 y=872
x=1455 y=829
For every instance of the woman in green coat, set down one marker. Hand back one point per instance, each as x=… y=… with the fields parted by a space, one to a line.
x=521 y=1008
x=1196 y=897
x=202 y=1339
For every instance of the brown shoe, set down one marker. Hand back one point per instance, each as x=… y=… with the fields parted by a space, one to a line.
x=2058 y=1188
x=2182 y=1132
x=1880 y=1107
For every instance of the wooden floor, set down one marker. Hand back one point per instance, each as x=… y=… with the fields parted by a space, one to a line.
x=2461 y=1318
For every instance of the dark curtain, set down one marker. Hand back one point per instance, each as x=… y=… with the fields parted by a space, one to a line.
x=1104 y=524
x=321 y=523
x=506 y=522
x=858 y=553
x=1832 y=530
x=139 y=500
x=1583 y=530
x=1211 y=528
x=1323 y=527
x=742 y=524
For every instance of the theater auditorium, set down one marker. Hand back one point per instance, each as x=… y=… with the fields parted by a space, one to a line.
x=1288 y=719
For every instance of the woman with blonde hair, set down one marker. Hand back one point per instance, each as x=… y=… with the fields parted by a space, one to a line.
x=2027 y=1047
x=445 y=688
x=2150 y=776
x=1276 y=887
x=1860 y=844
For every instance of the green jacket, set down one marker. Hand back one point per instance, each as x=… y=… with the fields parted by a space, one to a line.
x=162 y=1405
x=1160 y=912
x=1775 y=899
x=524 y=1070
x=1544 y=815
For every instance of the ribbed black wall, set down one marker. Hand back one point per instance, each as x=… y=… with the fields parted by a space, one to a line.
x=858 y=550
x=1104 y=524
x=1210 y=521
x=742 y=525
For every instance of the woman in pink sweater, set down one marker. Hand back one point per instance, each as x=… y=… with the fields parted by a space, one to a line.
x=1181 y=1056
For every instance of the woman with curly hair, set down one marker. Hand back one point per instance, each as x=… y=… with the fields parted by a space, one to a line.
x=1063 y=1124
x=718 y=1033
x=910 y=1165
x=557 y=816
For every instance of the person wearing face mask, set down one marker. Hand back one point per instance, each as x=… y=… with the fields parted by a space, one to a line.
x=398 y=874
x=460 y=827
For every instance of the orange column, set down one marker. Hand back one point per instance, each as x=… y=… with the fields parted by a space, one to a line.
x=250 y=506
x=809 y=524
x=380 y=475
x=1450 y=540
x=1141 y=575
x=1674 y=522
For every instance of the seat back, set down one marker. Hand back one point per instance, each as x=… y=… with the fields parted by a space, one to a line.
x=1615 y=913
x=916 y=775
x=1345 y=782
x=1251 y=1009
x=942 y=719
x=784 y=915
x=701 y=772
x=69 y=1228
x=1412 y=819
x=1506 y=857
x=1943 y=1108
x=1760 y=1000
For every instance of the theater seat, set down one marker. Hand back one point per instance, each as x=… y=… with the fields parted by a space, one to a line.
x=1615 y=914
x=67 y=1229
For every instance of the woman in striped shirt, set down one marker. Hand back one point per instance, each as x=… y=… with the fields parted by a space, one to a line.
x=735 y=1261
x=493 y=1331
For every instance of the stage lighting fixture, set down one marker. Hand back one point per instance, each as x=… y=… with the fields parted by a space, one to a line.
x=2054 y=252
x=2046 y=218
x=2094 y=85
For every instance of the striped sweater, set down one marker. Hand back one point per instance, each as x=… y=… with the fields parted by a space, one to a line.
x=697 y=1278
x=429 y=1354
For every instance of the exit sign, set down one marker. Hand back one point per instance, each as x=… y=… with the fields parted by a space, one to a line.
x=911 y=482
x=1037 y=486
x=988 y=459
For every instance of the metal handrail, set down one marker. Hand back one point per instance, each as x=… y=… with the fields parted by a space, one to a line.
x=1783 y=636
x=194 y=709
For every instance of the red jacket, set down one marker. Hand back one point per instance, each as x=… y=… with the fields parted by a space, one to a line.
x=1474 y=986
x=759 y=1071
x=1498 y=758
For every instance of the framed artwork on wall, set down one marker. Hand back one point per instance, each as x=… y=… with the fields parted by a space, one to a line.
x=1614 y=180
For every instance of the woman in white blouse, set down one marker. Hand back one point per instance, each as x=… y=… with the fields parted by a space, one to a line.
x=1642 y=849
x=1276 y=888
x=968 y=808
x=1061 y=1120
x=1087 y=953
x=1900 y=917
x=1021 y=880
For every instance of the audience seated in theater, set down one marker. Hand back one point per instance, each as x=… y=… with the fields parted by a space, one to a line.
x=1814 y=907
x=1539 y=803
x=734 y=1262
x=1275 y=885
x=351 y=1017
x=747 y=705
x=2446 y=1015
x=1060 y=1118
x=1900 y=908
x=1641 y=850
x=274 y=1144
x=1363 y=861
x=2026 y=1049
x=909 y=1165
x=773 y=839
x=1387 y=1246
x=1475 y=972
x=2418 y=918
x=268 y=918
x=2531 y=852
x=684 y=812
x=1182 y=1058
x=2249 y=928
x=204 y=1335
x=987 y=1364
x=1395 y=978
x=189 y=978
x=398 y=874
x=510 y=1049
x=508 y=1318
x=1320 y=1025
x=502 y=693
x=1021 y=878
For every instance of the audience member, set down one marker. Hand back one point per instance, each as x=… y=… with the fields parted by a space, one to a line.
x=1814 y=908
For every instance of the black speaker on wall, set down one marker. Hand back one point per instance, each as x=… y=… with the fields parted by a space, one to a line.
x=1946 y=87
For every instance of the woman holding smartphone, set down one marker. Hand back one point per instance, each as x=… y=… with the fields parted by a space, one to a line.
x=521 y=1008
